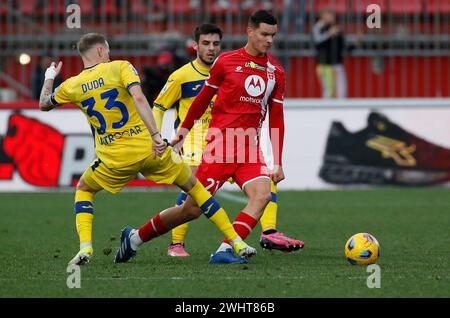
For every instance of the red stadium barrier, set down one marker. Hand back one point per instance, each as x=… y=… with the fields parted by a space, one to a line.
x=409 y=77
x=438 y=6
x=400 y=77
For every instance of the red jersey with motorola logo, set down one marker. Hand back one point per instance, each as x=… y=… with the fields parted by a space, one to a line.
x=246 y=86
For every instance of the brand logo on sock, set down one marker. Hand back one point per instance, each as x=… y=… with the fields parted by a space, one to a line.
x=208 y=209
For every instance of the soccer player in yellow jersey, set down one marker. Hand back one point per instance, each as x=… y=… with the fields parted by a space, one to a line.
x=127 y=141
x=181 y=88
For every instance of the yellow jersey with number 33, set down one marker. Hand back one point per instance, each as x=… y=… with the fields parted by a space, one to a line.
x=101 y=92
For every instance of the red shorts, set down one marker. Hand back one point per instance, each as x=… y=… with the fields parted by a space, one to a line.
x=214 y=175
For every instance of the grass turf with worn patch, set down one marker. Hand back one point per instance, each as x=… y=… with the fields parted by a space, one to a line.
x=38 y=238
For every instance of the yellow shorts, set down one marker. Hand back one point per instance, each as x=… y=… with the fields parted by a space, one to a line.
x=192 y=152
x=160 y=170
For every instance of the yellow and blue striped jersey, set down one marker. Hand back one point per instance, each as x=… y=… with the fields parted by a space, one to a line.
x=179 y=92
x=101 y=92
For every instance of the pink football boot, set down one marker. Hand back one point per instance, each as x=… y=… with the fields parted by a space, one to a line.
x=281 y=242
x=177 y=250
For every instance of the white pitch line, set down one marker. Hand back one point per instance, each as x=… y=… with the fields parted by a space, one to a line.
x=203 y=278
x=232 y=197
x=163 y=278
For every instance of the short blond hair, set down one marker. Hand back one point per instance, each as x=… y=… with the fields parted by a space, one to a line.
x=89 y=40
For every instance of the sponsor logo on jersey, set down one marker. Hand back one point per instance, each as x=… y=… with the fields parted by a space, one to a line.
x=253 y=65
x=203 y=121
x=250 y=100
x=110 y=138
x=255 y=85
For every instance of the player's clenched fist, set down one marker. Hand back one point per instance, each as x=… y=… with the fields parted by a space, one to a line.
x=52 y=71
x=158 y=146
x=277 y=174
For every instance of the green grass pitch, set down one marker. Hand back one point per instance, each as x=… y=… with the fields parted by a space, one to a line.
x=38 y=238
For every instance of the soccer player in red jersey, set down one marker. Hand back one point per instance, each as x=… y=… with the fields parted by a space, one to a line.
x=249 y=83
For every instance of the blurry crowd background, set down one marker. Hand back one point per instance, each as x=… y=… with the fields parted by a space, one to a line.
x=337 y=56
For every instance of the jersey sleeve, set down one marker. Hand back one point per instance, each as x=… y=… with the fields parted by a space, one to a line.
x=280 y=88
x=216 y=74
x=128 y=75
x=61 y=94
x=276 y=119
x=168 y=96
x=158 y=115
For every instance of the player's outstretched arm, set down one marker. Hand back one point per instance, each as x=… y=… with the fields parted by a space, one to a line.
x=44 y=100
x=197 y=109
x=144 y=110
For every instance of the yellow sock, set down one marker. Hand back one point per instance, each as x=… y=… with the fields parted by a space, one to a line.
x=179 y=233
x=269 y=217
x=84 y=211
x=213 y=211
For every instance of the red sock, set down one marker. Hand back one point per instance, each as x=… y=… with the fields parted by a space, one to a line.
x=243 y=225
x=154 y=228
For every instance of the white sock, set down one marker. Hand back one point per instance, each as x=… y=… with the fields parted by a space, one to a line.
x=135 y=240
x=223 y=247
